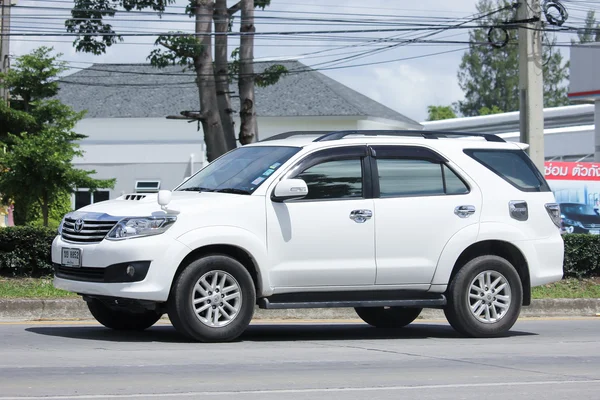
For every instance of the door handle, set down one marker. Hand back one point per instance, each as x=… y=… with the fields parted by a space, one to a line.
x=464 y=211
x=360 y=216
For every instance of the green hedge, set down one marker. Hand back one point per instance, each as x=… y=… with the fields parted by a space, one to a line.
x=25 y=251
x=582 y=255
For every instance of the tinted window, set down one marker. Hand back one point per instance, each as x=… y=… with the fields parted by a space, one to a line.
x=334 y=179
x=454 y=185
x=399 y=177
x=405 y=177
x=513 y=166
x=241 y=170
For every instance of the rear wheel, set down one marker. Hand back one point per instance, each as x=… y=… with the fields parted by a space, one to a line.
x=388 y=317
x=485 y=297
x=212 y=300
x=122 y=320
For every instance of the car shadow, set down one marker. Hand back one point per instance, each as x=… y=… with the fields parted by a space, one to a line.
x=266 y=332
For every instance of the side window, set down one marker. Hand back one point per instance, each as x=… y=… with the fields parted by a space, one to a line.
x=338 y=179
x=406 y=177
x=514 y=166
x=454 y=185
x=401 y=177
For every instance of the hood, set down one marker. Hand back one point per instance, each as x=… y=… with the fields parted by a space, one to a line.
x=583 y=218
x=145 y=204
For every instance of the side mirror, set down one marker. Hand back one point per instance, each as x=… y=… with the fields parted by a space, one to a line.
x=164 y=197
x=289 y=189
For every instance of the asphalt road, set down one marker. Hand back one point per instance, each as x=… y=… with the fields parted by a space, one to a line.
x=540 y=359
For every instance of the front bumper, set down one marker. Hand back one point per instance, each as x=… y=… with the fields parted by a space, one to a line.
x=164 y=253
x=577 y=229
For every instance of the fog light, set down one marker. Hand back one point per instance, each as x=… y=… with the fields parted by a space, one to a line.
x=130 y=270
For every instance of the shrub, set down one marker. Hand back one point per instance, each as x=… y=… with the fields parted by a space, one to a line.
x=582 y=255
x=25 y=251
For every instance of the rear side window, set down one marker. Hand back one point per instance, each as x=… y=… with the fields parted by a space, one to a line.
x=405 y=177
x=514 y=166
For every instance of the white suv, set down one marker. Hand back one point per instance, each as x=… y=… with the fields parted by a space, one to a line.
x=387 y=222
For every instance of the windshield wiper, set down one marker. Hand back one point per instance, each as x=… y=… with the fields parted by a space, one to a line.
x=196 y=189
x=233 y=190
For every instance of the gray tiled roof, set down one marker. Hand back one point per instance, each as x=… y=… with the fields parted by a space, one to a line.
x=139 y=90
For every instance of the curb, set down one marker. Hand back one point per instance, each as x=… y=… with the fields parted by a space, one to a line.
x=12 y=310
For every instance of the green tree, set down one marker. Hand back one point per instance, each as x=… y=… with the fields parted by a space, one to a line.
x=591 y=30
x=33 y=77
x=193 y=51
x=436 y=113
x=489 y=76
x=36 y=170
x=488 y=111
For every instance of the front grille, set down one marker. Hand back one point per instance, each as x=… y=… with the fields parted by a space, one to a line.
x=91 y=232
x=591 y=226
x=86 y=274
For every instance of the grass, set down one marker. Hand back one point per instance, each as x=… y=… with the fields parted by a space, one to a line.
x=568 y=289
x=31 y=288
x=42 y=288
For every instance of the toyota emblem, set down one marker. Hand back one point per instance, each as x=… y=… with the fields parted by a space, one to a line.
x=79 y=225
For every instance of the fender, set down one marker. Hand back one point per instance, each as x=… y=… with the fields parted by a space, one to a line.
x=453 y=249
x=232 y=236
x=467 y=237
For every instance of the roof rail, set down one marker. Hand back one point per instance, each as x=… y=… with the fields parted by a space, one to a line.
x=407 y=133
x=286 y=135
x=337 y=135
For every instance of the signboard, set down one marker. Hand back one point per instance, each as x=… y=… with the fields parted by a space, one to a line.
x=584 y=80
x=576 y=187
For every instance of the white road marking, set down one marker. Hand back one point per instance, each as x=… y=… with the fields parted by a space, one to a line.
x=300 y=391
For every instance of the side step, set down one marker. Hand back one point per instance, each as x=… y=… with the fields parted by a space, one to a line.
x=353 y=299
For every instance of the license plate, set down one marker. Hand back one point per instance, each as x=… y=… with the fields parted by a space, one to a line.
x=71 y=257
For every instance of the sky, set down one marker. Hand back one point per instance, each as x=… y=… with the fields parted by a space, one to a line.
x=420 y=77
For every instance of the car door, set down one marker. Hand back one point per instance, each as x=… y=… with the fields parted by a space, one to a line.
x=421 y=204
x=327 y=238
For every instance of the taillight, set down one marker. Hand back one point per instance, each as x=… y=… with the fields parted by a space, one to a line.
x=518 y=210
x=554 y=213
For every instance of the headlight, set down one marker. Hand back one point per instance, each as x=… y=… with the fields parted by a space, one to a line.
x=568 y=221
x=139 y=227
x=60 y=226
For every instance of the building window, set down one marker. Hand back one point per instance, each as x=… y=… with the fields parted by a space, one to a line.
x=147 y=186
x=84 y=197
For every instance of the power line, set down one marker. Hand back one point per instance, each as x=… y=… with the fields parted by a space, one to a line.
x=296 y=71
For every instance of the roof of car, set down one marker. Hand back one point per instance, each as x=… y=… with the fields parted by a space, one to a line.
x=431 y=138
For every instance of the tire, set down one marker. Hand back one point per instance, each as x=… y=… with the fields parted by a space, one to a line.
x=388 y=317
x=462 y=308
x=197 y=322
x=122 y=320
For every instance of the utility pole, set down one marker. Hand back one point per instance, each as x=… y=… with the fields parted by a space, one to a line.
x=5 y=6
x=4 y=42
x=531 y=83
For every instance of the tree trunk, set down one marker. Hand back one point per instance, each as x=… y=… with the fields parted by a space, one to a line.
x=205 y=79
x=222 y=18
x=248 y=125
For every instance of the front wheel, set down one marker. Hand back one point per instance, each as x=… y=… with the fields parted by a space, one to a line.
x=212 y=300
x=485 y=297
x=122 y=320
x=388 y=317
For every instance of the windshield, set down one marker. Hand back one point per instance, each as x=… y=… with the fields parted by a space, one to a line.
x=240 y=171
x=580 y=209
